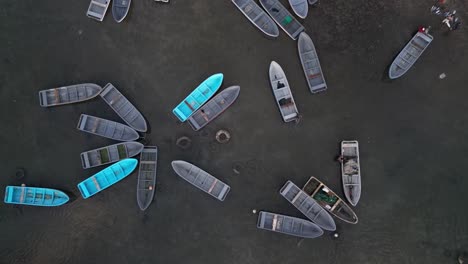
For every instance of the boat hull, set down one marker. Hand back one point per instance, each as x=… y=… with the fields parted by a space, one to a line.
x=282 y=93
x=257 y=16
x=106 y=128
x=288 y=225
x=146 y=184
x=198 y=97
x=201 y=179
x=214 y=107
x=409 y=55
x=122 y=106
x=329 y=201
x=107 y=177
x=300 y=7
x=110 y=154
x=68 y=94
x=311 y=64
x=351 y=171
x=120 y=9
x=34 y=196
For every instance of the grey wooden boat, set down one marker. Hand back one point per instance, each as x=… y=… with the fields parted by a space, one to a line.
x=120 y=9
x=201 y=179
x=288 y=225
x=311 y=64
x=282 y=17
x=214 y=107
x=257 y=16
x=410 y=53
x=351 y=171
x=300 y=7
x=123 y=108
x=331 y=202
x=106 y=128
x=147 y=176
x=97 y=9
x=110 y=154
x=282 y=93
x=68 y=94
x=308 y=206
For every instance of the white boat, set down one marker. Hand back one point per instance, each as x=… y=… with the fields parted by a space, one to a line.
x=351 y=171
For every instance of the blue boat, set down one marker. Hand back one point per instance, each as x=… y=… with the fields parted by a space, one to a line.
x=198 y=97
x=107 y=177
x=34 y=196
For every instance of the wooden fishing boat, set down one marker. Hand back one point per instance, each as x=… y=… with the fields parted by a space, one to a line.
x=282 y=17
x=110 y=154
x=288 y=225
x=201 y=179
x=147 y=176
x=410 y=53
x=300 y=7
x=311 y=64
x=331 y=202
x=34 y=196
x=107 y=177
x=122 y=106
x=106 y=128
x=198 y=97
x=214 y=107
x=257 y=16
x=282 y=93
x=120 y=9
x=68 y=94
x=97 y=9
x=308 y=206
x=351 y=171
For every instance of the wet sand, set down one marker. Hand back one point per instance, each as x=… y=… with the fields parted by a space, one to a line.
x=412 y=133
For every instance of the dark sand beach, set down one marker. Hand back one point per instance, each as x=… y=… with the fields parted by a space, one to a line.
x=412 y=133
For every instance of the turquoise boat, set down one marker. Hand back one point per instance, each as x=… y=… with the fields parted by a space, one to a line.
x=34 y=196
x=198 y=97
x=107 y=177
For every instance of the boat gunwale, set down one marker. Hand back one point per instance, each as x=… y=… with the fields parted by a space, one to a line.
x=303 y=221
x=93 y=85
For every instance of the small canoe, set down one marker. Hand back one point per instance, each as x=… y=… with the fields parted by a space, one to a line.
x=198 y=97
x=410 y=53
x=34 y=196
x=282 y=17
x=257 y=16
x=214 y=107
x=308 y=206
x=110 y=154
x=288 y=225
x=123 y=108
x=282 y=93
x=147 y=176
x=351 y=171
x=68 y=94
x=120 y=9
x=300 y=7
x=311 y=64
x=107 y=177
x=331 y=202
x=97 y=9
x=106 y=128
x=201 y=179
